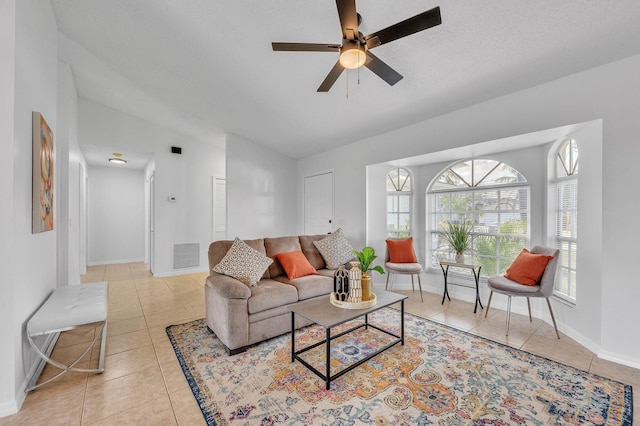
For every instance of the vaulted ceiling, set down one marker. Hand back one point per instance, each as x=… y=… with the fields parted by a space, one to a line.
x=206 y=67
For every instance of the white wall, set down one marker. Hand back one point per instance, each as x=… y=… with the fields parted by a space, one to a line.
x=376 y=232
x=261 y=191
x=75 y=255
x=28 y=80
x=116 y=215
x=8 y=322
x=187 y=177
x=610 y=93
x=582 y=322
x=376 y=229
x=69 y=157
x=531 y=162
x=587 y=315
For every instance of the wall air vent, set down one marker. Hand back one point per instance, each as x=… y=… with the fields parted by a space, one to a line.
x=186 y=255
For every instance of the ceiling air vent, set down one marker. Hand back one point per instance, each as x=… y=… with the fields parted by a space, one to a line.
x=186 y=255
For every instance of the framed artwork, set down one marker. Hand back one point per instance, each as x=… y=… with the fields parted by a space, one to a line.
x=42 y=183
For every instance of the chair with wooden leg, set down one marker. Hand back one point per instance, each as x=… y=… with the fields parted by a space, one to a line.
x=400 y=258
x=532 y=274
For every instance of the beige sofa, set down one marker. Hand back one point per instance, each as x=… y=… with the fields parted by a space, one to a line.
x=241 y=315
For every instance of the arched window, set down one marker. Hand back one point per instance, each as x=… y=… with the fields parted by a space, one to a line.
x=493 y=198
x=399 y=200
x=565 y=186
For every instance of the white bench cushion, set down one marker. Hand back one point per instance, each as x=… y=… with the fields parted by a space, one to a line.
x=69 y=307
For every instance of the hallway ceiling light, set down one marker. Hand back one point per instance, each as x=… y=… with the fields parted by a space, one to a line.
x=117 y=159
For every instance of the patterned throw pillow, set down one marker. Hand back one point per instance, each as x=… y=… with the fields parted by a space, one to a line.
x=243 y=263
x=335 y=249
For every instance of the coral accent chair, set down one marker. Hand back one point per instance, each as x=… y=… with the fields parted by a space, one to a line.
x=403 y=268
x=543 y=288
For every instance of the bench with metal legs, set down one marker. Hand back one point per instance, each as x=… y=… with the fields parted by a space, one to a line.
x=68 y=308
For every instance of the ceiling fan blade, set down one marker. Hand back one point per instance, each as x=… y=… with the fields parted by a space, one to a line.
x=305 y=47
x=382 y=70
x=418 y=23
x=331 y=77
x=348 y=18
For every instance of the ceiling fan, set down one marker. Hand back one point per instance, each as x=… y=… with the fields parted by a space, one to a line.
x=355 y=50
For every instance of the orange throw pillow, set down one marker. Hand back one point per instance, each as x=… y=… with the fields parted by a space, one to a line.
x=528 y=267
x=295 y=264
x=401 y=251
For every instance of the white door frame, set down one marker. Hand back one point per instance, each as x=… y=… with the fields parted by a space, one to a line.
x=152 y=221
x=215 y=220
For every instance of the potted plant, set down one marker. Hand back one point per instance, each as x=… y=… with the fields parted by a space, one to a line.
x=366 y=258
x=459 y=237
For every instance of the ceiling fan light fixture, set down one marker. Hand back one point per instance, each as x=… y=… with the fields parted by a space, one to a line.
x=352 y=55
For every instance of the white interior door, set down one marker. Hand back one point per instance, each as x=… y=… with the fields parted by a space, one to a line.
x=219 y=209
x=318 y=204
x=152 y=221
x=82 y=218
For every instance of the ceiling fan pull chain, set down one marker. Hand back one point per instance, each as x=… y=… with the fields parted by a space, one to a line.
x=347 y=78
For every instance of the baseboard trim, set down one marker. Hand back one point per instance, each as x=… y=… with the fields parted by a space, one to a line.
x=180 y=272
x=111 y=262
x=541 y=313
x=8 y=408
x=610 y=356
x=12 y=407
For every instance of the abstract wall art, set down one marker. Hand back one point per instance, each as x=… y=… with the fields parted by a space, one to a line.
x=42 y=183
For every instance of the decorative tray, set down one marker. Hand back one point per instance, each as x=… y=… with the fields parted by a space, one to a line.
x=351 y=305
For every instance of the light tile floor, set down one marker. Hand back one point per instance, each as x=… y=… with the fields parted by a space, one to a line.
x=143 y=383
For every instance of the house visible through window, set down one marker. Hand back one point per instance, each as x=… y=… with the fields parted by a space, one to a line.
x=493 y=198
x=565 y=186
x=399 y=200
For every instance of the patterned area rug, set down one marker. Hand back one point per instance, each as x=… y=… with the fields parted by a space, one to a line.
x=440 y=376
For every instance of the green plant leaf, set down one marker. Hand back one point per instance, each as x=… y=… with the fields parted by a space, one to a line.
x=366 y=257
x=378 y=269
x=368 y=252
x=459 y=235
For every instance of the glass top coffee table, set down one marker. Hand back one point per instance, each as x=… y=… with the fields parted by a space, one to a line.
x=323 y=313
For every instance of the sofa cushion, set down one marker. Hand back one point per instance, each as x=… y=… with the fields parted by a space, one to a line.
x=326 y=272
x=274 y=246
x=269 y=314
x=218 y=249
x=311 y=251
x=295 y=264
x=335 y=249
x=309 y=286
x=270 y=294
x=404 y=268
x=243 y=263
x=508 y=287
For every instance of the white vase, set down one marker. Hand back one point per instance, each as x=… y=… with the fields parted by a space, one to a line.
x=460 y=257
x=355 y=283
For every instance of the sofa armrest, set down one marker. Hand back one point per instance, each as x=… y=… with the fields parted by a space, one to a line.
x=228 y=287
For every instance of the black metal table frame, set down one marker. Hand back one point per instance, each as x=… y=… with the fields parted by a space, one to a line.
x=328 y=378
x=476 y=277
